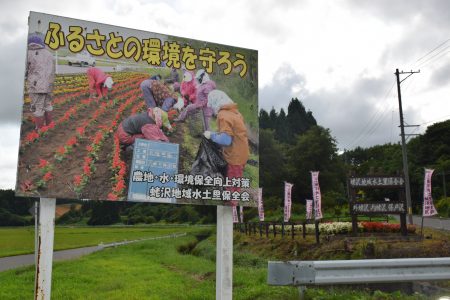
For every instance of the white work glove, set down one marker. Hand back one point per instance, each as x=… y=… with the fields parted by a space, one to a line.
x=207 y=134
x=180 y=104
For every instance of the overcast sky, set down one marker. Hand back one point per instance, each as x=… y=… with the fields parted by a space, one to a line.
x=337 y=57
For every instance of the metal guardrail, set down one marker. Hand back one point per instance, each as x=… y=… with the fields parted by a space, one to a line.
x=115 y=244
x=304 y=273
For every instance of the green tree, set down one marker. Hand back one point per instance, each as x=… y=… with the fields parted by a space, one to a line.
x=315 y=151
x=282 y=128
x=298 y=120
x=104 y=213
x=264 y=119
x=272 y=165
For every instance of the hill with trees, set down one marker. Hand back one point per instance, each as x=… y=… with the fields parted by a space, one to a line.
x=290 y=146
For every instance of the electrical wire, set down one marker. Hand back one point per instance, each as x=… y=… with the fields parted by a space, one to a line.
x=431 y=51
x=373 y=122
x=376 y=119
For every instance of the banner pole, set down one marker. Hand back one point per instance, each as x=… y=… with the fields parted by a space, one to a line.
x=46 y=229
x=224 y=253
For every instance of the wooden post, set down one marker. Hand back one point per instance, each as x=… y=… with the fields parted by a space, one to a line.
x=316 y=222
x=403 y=228
x=355 y=224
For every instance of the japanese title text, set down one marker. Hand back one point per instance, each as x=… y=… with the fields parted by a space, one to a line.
x=151 y=50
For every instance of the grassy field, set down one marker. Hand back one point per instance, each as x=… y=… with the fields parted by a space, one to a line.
x=16 y=241
x=146 y=270
x=181 y=268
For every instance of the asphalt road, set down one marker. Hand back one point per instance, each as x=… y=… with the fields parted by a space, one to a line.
x=13 y=262
x=432 y=222
x=64 y=69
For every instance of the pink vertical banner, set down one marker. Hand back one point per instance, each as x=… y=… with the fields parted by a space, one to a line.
x=428 y=206
x=287 y=201
x=260 y=205
x=241 y=213
x=317 y=197
x=309 y=206
x=235 y=216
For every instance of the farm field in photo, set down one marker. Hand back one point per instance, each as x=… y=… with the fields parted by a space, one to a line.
x=74 y=156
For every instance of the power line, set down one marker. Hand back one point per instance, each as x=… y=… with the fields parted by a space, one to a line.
x=376 y=119
x=431 y=51
x=430 y=58
x=435 y=120
x=376 y=116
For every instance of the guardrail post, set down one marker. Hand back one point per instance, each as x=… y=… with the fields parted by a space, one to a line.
x=301 y=292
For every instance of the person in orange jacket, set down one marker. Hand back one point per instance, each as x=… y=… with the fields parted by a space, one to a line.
x=231 y=134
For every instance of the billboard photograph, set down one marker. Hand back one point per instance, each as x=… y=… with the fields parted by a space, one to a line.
x=111 y=113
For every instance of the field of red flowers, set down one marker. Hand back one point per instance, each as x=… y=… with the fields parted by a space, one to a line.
x=78 y=155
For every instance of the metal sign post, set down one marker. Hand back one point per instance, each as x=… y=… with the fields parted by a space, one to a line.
x=43 y=278
x=224 y=253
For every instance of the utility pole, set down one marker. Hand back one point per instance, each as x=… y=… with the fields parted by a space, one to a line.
x=404 y=154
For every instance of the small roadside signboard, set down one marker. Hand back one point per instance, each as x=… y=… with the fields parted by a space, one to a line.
x=153 y=171
x=370 y=208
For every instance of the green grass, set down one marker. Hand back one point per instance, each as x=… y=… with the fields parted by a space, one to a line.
x=156 y=270
x=146 y=270
x=16 y=241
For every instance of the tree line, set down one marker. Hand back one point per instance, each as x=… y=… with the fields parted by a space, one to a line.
x=291 y=144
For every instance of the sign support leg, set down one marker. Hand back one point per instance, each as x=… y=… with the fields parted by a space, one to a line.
x=36 y=233
x=224 y=253
x=301 y=291
x=43 y=278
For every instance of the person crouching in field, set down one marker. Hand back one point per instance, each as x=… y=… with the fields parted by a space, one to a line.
x=40 y=75
x=99 y=83
x=204 y=86
x=157 y=94
x=145 y=125
x=231 y=135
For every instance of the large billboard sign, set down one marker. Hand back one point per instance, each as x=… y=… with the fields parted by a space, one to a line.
x=111 y=113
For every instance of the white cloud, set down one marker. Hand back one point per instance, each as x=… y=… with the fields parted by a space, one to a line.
x=9 y=141
x=337 y=57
